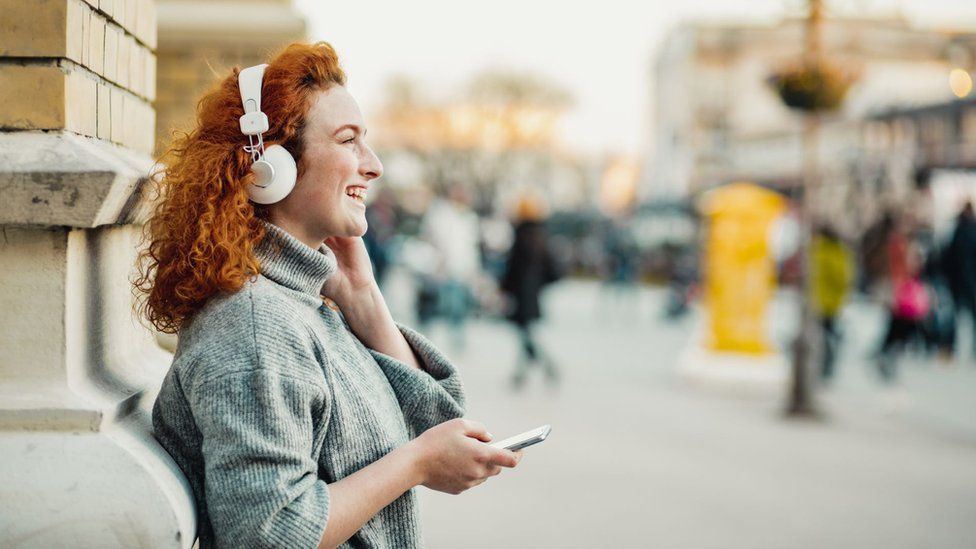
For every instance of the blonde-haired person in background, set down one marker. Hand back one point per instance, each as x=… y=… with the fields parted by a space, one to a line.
x=530 y=268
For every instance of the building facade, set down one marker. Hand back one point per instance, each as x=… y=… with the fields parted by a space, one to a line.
x=931 y=150
x=718 y=119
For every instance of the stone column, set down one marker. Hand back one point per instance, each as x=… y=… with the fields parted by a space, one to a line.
x=78 y=372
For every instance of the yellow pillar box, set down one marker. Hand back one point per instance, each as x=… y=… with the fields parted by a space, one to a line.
x=739 y=272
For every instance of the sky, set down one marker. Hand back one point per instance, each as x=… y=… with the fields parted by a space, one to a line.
x=601 y=52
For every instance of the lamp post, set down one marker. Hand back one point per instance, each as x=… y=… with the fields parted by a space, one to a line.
x=801 y=400
x=811 y=87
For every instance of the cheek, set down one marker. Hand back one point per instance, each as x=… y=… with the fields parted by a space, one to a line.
x=344 y=166
x=335 y=169
x=324 y=176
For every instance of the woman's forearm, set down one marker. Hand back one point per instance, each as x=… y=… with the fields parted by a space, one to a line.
x=370 y=319
x=357 y=498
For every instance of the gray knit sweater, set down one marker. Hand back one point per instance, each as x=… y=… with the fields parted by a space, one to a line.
x=271 y=397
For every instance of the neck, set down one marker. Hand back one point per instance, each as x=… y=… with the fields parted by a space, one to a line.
x=296 y=230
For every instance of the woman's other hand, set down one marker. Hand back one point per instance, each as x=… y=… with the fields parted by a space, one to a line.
x=354 y=289
x=453 y=457
x=355 y=273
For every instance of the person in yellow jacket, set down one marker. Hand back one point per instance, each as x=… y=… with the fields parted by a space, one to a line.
x=831 y=273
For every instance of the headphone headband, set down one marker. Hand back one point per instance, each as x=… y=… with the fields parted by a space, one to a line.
x=249 y=81
x=274 y=169
x=254 y=122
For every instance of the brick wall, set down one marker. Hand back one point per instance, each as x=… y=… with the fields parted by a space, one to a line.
x=83 y=66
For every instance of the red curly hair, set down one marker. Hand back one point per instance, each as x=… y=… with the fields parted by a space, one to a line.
x=203 y=230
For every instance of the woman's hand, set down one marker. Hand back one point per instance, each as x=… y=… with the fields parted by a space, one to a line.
x=355 y=273
x=354 y=289
x=453 y=456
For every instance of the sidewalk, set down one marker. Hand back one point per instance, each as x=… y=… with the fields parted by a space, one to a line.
x=637 y=459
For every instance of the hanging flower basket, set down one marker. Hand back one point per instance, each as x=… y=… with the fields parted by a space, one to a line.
x=812 y=88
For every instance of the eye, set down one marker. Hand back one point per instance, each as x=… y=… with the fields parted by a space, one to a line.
x=350 y=140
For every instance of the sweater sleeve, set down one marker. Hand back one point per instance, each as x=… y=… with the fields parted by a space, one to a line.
x=260 y=476
x=427 y=396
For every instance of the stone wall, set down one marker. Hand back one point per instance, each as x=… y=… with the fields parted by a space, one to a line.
x=78 y=372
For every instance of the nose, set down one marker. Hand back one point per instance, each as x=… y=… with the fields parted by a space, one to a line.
x=370 y=166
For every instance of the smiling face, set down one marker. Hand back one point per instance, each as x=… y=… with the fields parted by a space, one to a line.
x=335 y=171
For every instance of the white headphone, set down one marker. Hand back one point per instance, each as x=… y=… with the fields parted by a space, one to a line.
x=274 y=168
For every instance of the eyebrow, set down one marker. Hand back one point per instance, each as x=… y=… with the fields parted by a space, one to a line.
x=352 y=127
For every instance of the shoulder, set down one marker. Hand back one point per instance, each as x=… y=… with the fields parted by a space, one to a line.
x=257 y=306
x=258 y=327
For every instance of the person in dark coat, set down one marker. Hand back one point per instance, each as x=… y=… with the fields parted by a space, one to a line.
x=530 y=267
x=959 y=263
x=874 y=252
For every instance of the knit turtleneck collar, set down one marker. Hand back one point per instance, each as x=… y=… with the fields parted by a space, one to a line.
x=291 y=263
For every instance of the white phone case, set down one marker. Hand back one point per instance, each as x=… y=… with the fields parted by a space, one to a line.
x=525 y=439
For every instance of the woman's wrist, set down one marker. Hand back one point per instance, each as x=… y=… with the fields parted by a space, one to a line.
x=358 y=300
x=370 y=320
x=366 y=312
x=413 y=455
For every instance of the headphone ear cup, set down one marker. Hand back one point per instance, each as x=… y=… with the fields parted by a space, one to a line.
x=276 y=173
x=264 y=173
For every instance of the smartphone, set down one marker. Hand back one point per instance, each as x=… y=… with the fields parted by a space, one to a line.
x=525 y=439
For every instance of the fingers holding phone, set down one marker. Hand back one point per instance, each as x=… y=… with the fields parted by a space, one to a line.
x=454 y=456
x=458 y=455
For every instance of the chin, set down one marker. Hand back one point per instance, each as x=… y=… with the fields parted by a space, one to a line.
x=360 y=230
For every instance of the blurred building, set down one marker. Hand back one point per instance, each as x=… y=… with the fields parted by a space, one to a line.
x=199 y=41
x=718 y=119
x=922 y=154
x=499 y=138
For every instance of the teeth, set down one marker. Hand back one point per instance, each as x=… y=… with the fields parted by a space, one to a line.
x=358 y=193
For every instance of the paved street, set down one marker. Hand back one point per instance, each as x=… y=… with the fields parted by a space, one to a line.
x=639 y=459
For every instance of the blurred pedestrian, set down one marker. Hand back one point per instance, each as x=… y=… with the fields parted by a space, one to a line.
x=940 y=326
x=959 y=265
x=874 y=253
x=910 y=302
x=496 y=240
x=622 y=268
x=682 y=283
x=831 y=274
x=453 y=229
x=531 y=266
x=383 y=220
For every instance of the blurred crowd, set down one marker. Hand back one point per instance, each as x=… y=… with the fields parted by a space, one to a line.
x=465 y=263
x=924 y=281
x=928 y=286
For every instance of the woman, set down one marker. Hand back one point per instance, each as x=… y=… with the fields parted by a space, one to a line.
x=530 y=267
x=293 y=397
